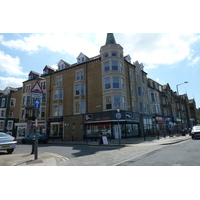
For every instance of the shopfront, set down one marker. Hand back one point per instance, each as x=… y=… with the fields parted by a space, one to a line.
x=106 y=124
x=55 y=127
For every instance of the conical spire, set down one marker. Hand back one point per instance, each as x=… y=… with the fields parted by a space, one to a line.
x=110 y=39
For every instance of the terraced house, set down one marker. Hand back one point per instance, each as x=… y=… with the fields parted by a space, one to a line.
x=81 y=100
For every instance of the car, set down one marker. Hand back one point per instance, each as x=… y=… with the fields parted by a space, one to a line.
x=7 y=142
x=41 y=138
x=195 y=133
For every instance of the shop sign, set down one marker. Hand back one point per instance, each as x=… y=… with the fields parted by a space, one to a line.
x=159 y=120
x=105 y=140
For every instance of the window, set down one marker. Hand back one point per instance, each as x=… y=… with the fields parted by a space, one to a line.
x=60 y=110
x=82 y=89
x=138 y=78
x=77 y=107
x=1 y=125
x=117 y=102
x=122 y=83
x=55 y=110
x=11 y=113
x=107 y=83
x=10 y=125
x=82 y=107
x=133 y=106
x=58 y=94
x=132 y=90
x=28 y=89
x=79 y=89
x=28 y=100
x=12 y=102
x=131 y=75
x=152 y=97
x=116 y=82
x=115 y=65
x=3 y=100
x=121 y=67
x=24 y=100
x=79 y=75
x=2 y=112
x=139 y=91
x=43 y=85
x=114 y=54
x=59 y=81
x=43 y=97
x=140 y=107
x=106 y=66
x=106 y=55
x=124 y=102
x=23 y=114
x=108 y=102
x=43 y=112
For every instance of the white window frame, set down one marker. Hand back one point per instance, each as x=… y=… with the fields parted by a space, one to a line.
x=59 y=81
x=2 y=112
x=9 y=125
x=14 y=102
x=80 y=75
x=3 y=101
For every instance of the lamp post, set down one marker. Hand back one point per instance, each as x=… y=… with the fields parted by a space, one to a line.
x=180 y=84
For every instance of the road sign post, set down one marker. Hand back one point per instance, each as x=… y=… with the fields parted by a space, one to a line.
x=37 y=94
x=118 y=116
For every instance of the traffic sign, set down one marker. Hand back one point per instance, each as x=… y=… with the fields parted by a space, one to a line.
x=118 y=115
x=36 y=88
x=37 y=95
x=37 y=103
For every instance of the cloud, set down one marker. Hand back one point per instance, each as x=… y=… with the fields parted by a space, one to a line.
x=10 y=81
x=158 y=48
x=195 y=60
x=149 y=48
x=10 y=65
x=71 y=43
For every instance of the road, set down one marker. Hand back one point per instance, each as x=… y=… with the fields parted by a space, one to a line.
x=69 y=151
x=186 y=153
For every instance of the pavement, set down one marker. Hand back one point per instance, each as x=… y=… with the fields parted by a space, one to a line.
x=118 y=153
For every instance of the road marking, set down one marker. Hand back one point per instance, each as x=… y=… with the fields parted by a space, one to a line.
x=63 y=158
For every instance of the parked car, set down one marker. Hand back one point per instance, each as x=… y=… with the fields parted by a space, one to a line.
x=41 y=138
x=7 y=142
x=195 y=133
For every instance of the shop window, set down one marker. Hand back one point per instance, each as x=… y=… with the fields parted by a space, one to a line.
x=56 y=129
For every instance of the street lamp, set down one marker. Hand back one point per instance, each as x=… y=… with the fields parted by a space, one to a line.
x=180 y=84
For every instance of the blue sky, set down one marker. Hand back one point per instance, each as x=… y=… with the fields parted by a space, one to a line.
x=167 y=57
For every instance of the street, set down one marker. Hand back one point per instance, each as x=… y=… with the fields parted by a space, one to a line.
x=165 y=153
x=186 y=153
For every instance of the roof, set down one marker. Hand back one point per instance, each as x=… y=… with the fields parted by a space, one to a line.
x=110 y=39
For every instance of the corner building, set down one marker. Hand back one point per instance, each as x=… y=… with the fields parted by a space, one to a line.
x=80 y=101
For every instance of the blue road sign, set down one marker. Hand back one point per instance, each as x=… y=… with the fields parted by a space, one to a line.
x=37 y=103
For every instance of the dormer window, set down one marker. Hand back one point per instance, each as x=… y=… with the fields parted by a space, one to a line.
x=82 y=58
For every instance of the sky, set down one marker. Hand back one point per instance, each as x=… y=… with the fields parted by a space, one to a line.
x=172 y=58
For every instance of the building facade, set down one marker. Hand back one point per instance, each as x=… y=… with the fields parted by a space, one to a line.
x=81 y=100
